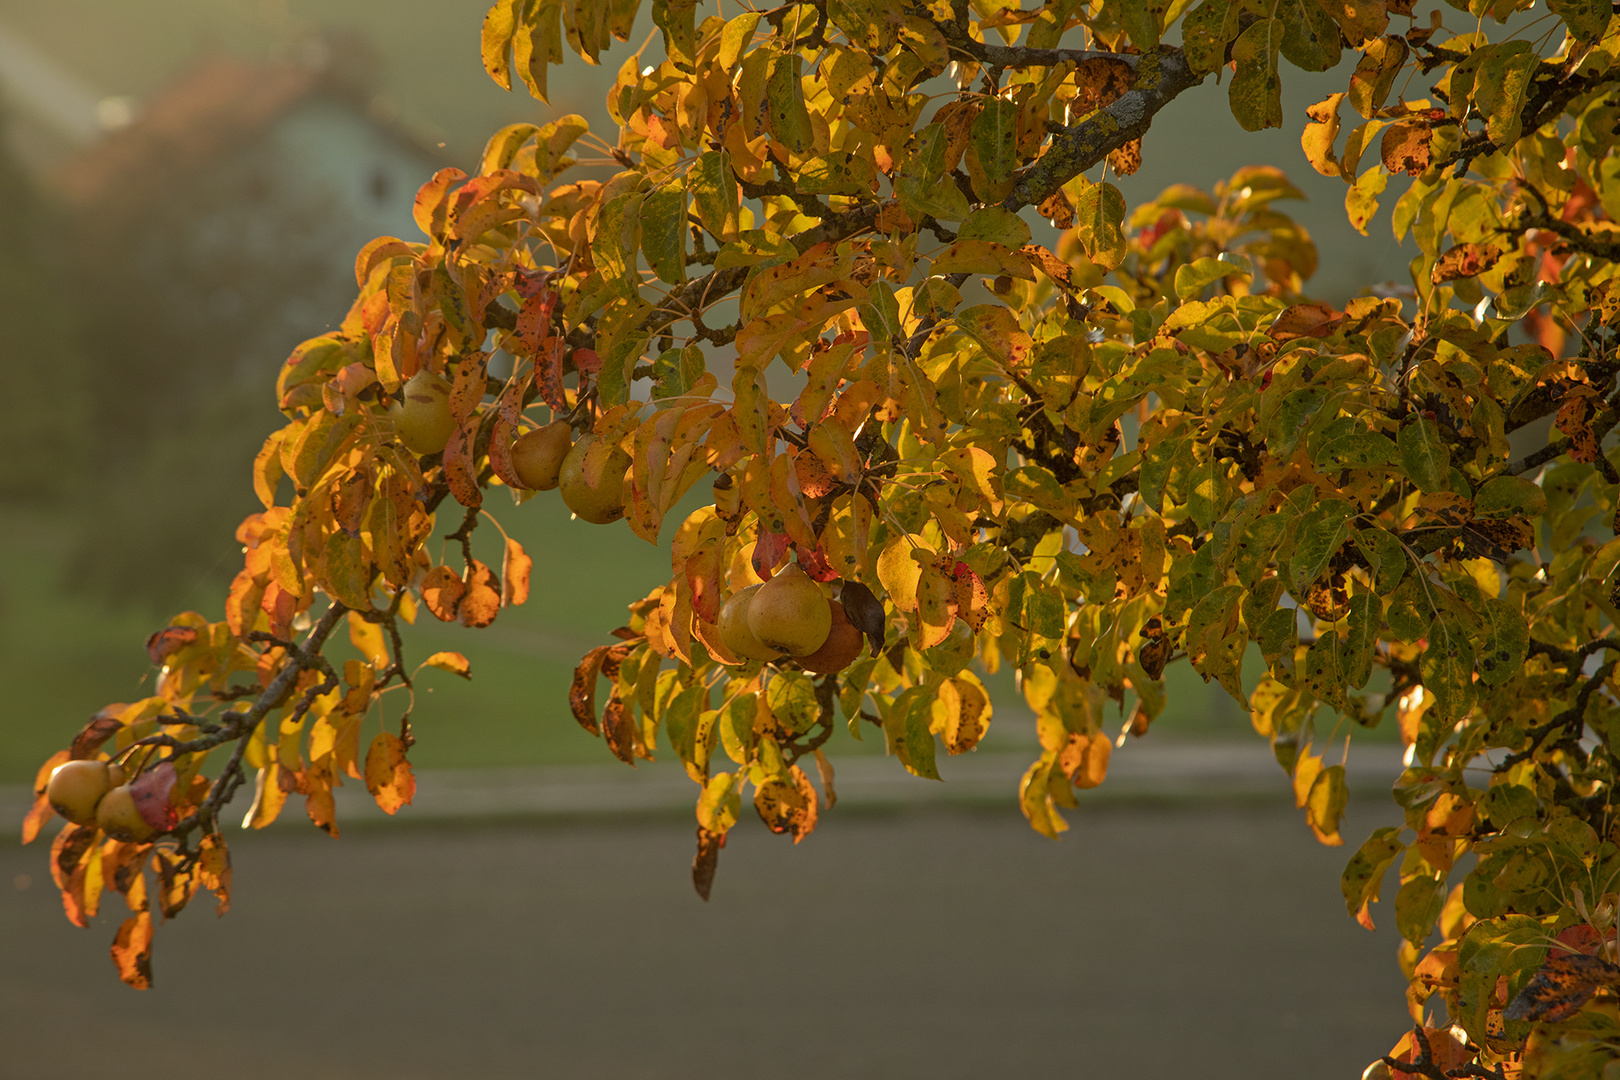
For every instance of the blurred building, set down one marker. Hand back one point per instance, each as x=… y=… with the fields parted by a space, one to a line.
x=203 y=232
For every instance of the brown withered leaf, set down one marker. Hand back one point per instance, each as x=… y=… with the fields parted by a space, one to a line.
x=824 y=769
x=815 y=479
x=619 y=729
x=1057 y=209
x=442 y=590
x=132 y=951
x=515 y=572
x=103 y=726
x=350 y=497
x=788 y=808
x=1406 y=149
x=971 y=597
x=178 y=880
x=1084 y=759
x=388 y=774
x=1048 y=263
x=460 y=470
x=1154 y=652
x=582 y=692
x=1465 y=261
x=168 y=641
x=707 y=860
x=1574 y=420
x=1128 y=158
x=1305 y=320
x=865 y=612
x=1564 y=984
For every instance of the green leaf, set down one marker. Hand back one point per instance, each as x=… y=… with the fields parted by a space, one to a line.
x=618 y=238
x=1426 y=458
x=1204 y=35
x=1505 y=803
x=1409 y=609
x=1447 y=667
x=784 y=98
x=1292 y=419
x=714 y=194
x=1357 y=450
x=1500 y=88
x=1509 y=496
x=1384 y=551
x=1417 y=907
x=1586 y=19
x=676 y=18
x=734 y=39
x=1253 y=548
x=994 y=141
x=1364 y=874
x=663 y=232
x=1141 y=23
x=1324 y=676
x=1364 y=620
x=996 y=224
x=932 y=198
x=1322 y=531
x=792 y=698
x=838 y=173
x=1191 y=278
x=1099 y=212
x=1505 y=643
x=1374 y=77
x=1310 y=36
x=1255 y=93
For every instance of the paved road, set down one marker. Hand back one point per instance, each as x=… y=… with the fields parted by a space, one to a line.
x=1199 y=939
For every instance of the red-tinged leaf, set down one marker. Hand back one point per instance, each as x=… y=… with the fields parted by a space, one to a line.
x=432 y=200
x=769 y=551
x=586 y=362
x=582 y=693
x=214 y=870
x=788 y=807
x=972 y=598
x=482 y=600
x=707 y=860
x=132 y=951
x=460 y=471
x=152 y=792
x=168 y=641
x=515 y=571
x=1574 y=420
x=705 y=574
x=388 y=774
x=814 y=562
x=619 y=729
x=453 y=662
x=548 y=373
x=534 y=324
x=1564 y=984
x=442 y=590
x=1465 y=261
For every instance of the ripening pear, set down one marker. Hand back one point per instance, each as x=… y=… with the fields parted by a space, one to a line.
x=600 y=504
x=119 y=817
x=790 y=613
x=538 y=455
x=734 y=631
x=76 y=788
x=842 y=646
x=422 y=415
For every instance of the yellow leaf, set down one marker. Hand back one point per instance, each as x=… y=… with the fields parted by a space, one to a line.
x=453 y=662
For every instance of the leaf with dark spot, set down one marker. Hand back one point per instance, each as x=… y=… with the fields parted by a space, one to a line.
x=707 y=860
x=865 y=612
x=1564 y=984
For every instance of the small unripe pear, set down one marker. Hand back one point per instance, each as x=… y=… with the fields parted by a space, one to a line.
x=538 y=455
x=790 y=613
x=120 y=819
x=842 y=646
x=422 y=415
x=76 y=788
x=600 y=504
x=734 y=631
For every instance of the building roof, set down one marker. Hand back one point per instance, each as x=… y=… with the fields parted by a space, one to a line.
x=216 y=107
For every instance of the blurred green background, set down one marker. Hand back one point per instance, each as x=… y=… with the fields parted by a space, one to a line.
x=139 y=341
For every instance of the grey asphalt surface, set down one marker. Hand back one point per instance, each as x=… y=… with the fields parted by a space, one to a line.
x=1195 y=938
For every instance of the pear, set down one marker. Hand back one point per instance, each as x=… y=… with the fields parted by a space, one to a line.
x=600 y=504
x=76 y=788
x=538 y=455
x=120 y=818
x=422 y=415
x=734 y=631
x=842 y=646
x=790 y=614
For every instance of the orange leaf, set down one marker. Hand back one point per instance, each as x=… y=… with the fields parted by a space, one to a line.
x=582 y=694
x=388 y=774
x=442 y=590
x=453 y=662
x=132 y=951
x=515 y=574
x=482 y=601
